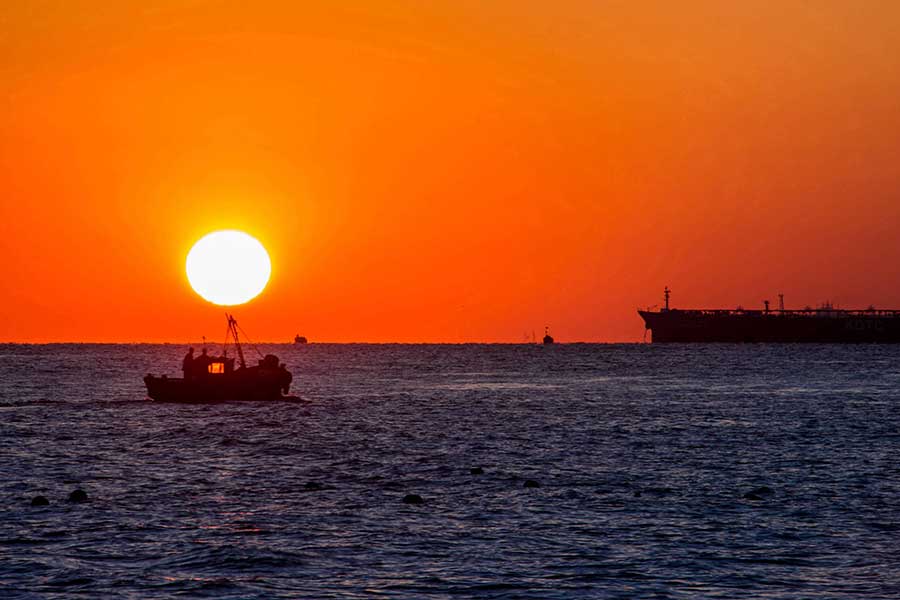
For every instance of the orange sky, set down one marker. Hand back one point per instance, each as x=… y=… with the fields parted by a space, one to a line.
x=454 y=170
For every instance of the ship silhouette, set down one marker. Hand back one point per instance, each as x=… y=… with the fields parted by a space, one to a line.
x=548 y=339
x=824 y=325
x=215 y=378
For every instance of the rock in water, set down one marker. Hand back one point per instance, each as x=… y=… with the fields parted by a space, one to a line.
x=40 y=501
x=413 y=499
x=476 y=471
x=759 y=493
x=78 y=495
x=531 y=483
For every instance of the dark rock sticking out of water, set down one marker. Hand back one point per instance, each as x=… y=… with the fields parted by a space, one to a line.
x=760 y=493
x=78 y=496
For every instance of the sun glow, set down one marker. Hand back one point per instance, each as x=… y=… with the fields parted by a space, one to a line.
x=228 y=267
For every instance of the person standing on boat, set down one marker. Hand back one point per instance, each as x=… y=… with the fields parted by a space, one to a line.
x=187 y=365
x=201 y=364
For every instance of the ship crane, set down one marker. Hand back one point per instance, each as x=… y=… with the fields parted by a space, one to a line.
x=232 y=327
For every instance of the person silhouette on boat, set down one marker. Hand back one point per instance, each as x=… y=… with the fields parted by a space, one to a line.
x=201 y=364
x=187 y=365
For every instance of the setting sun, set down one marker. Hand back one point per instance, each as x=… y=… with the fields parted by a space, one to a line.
x=228 y=267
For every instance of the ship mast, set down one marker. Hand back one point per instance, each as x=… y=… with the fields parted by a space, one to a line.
x=232 y=326
x=667 y=292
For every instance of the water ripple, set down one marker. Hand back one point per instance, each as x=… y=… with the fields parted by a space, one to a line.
x=672 y=472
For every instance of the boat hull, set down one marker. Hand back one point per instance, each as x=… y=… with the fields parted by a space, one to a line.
x=818 y=327
x=248 y=384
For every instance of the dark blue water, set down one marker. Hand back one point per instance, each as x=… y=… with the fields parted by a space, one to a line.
x=644 y=455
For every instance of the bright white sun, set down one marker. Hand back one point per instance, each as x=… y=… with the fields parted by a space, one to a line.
x=228 y=267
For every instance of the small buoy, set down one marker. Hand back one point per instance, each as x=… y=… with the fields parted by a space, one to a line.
x=78 y=495
x=531 y=483
x=476 y=471
x=313 y=486
x=637 y=494
x=40 y=501
x=413 y=499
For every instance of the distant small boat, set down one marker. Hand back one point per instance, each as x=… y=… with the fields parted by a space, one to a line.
x=548 y=339
x=299 y=339
x=215 y=379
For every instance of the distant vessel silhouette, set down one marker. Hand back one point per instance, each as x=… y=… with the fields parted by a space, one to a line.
x=548 y=339
x=299 y=339
x=825 y=325
x=214 y=379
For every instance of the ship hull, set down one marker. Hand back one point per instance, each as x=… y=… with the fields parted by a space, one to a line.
x=251 y=384
x=817 y=327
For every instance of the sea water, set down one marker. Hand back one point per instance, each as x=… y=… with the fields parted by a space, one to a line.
x=716 y=471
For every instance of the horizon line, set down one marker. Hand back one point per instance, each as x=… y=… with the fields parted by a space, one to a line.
x=319 y=343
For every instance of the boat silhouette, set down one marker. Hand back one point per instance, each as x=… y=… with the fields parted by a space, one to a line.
x=823 y=325
x=548 y=339
x=215 y=378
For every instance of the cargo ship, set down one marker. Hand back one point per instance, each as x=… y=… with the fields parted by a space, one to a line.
x=822 y=325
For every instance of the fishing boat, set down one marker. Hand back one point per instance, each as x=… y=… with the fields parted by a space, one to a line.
x=215 y=378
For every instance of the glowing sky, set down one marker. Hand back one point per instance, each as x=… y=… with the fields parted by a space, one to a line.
x=453 y=170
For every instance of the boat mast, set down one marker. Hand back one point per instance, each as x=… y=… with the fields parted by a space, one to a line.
x=232 y=326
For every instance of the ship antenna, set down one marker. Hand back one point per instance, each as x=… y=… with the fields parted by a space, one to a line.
x=232 y=325
x=667 y=292
x=781 y=302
